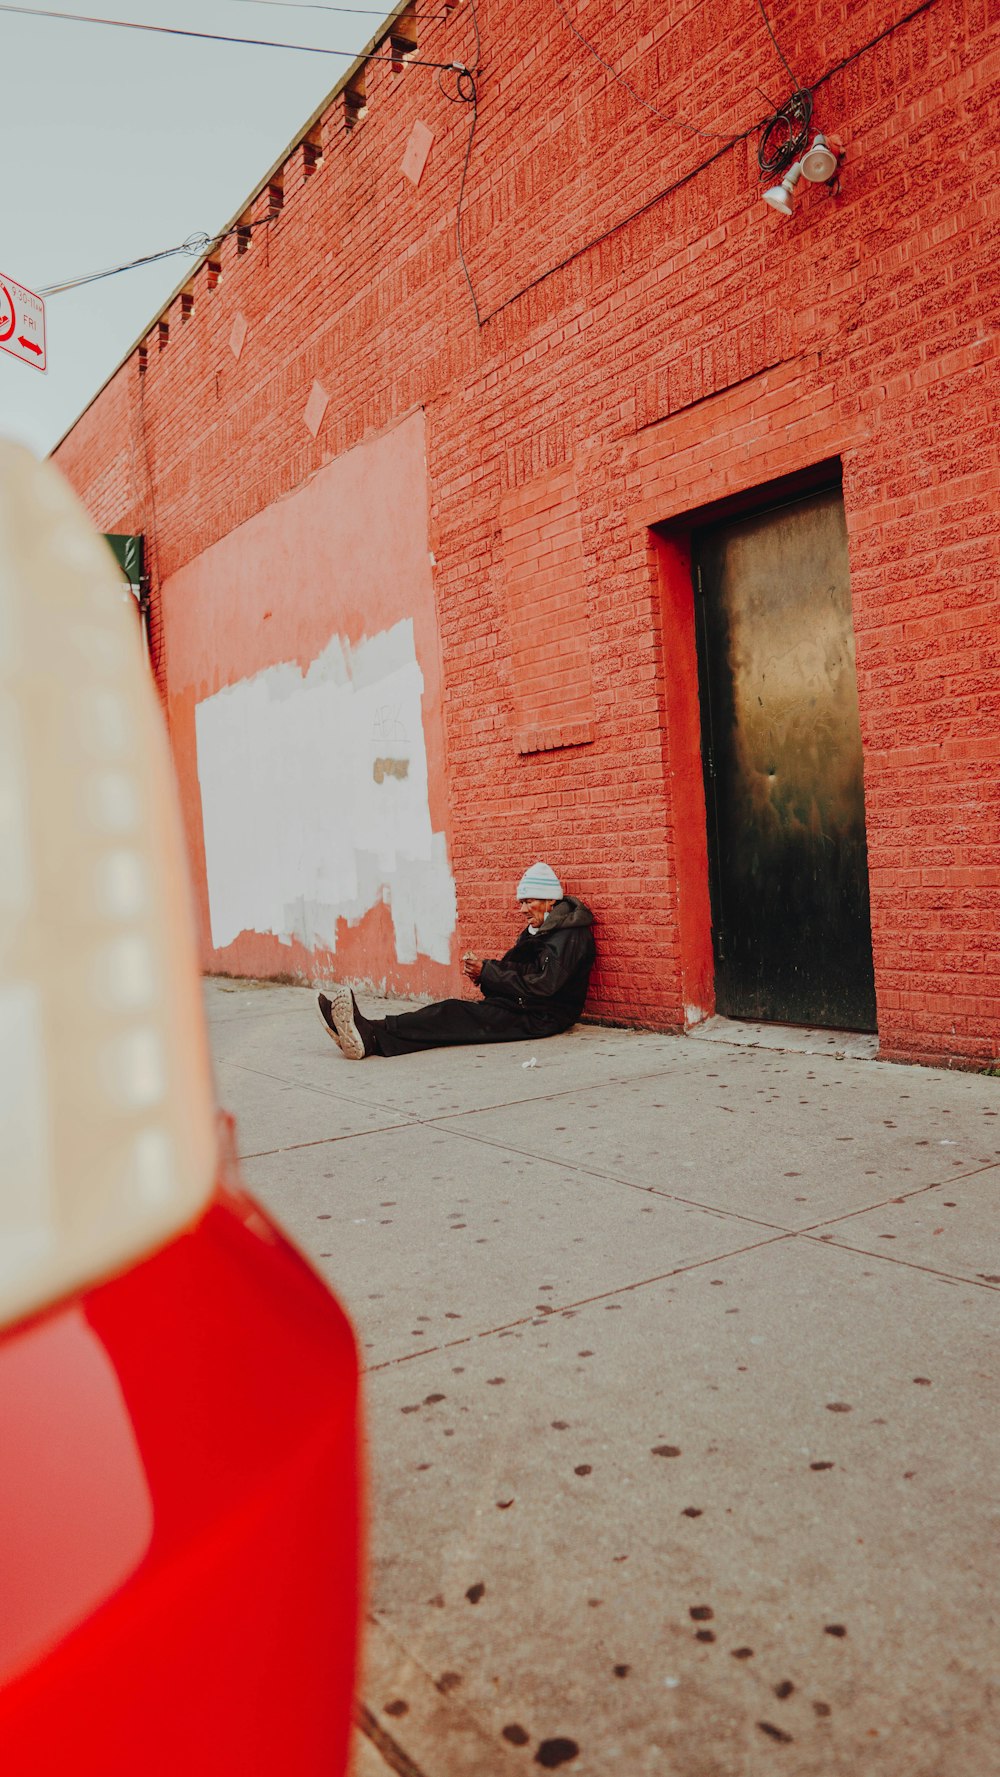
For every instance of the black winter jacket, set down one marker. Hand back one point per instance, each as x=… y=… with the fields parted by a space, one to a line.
x=546 y=973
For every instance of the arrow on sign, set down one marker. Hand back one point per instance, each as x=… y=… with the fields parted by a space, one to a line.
x=29 y=345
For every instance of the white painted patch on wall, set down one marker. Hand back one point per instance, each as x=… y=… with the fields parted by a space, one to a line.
x=315 y=801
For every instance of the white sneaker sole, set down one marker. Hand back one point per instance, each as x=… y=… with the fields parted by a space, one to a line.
x=348 y=1035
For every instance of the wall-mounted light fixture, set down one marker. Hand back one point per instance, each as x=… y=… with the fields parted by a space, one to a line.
x=780 y=197
x=821 y=159
x=785 y=151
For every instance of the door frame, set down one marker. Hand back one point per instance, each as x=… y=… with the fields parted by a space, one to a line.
x=671 y=548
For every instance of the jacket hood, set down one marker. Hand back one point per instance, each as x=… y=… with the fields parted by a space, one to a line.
x=567 y=912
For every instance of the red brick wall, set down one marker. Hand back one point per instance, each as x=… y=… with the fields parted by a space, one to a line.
x=548 y=619
x=657 y=339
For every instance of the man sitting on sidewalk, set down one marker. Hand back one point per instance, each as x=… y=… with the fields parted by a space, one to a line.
x=536 y=990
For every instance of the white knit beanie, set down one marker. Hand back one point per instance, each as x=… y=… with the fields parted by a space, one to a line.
x=539 y=883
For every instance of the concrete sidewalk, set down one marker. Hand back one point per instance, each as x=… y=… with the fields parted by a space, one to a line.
x=681 y=1392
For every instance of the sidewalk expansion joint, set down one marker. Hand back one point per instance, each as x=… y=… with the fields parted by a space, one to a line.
x=528 y=1320
x=612 y=1178
x=478 y=1110
x=905 y=1196
x=441 y=1733
x=390 y=1749
x=325 y=1141
x=829 y=1244
x=266 y=1073
x=510 y=1104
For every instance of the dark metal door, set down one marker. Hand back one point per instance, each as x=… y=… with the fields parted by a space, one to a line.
x=781 y=742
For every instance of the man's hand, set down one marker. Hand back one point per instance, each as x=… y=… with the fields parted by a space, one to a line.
x=472 y=965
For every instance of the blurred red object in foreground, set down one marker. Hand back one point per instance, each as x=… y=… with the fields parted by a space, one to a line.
x=179 y=1518
x=179 y=1424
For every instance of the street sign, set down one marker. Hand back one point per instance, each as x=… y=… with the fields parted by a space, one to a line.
x=22 y=323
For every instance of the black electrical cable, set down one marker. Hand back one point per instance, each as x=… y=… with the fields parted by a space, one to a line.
x=461 y=194
x=709 y=161
x=466 y=93
x=195 y=244
x=796 y=83
x=924 y=6
x=785 y=135
x=616 y=227
x=676 y=123
x=312 y=49
x=379 y=12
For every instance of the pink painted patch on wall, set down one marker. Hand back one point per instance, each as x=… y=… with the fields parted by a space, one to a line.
x=418 y=147
x=316 y=407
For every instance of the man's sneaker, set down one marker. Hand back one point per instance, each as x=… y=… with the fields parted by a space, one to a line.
x=346 y=1019
x=325 y=1009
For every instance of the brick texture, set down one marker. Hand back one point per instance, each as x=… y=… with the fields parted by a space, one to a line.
x=652 y=340
x=549 y=626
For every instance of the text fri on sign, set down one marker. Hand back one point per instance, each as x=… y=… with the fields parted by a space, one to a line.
x=22 y=322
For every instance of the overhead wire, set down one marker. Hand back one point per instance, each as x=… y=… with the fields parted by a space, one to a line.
x=433 y=12
x=587 y=246
x=312 y=49
x=461 y=197
x=195 y=244
x=837 y=67
x=796 y=83
x=677 y=123
x=467 y=93
x=709 y=160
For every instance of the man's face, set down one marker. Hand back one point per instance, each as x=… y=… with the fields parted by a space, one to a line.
x=534 y=911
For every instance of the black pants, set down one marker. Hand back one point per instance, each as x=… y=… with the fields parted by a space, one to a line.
x=454 y=1021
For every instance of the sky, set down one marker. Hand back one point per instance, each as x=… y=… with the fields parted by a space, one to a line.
x=120 y=143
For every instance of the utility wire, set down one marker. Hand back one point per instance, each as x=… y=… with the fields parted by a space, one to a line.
x=313 y=49
x=676 y=122
x=467 y=93
x=792 y=77
x=658 y=197
x=379 y=12
x=195 y=244
x=923 y=6
x=710 y=159
x=461 y=194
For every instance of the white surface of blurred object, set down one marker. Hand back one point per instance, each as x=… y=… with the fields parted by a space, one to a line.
x=107 y=1127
